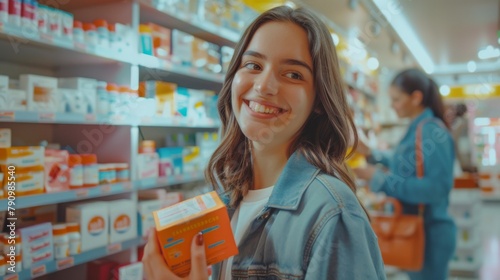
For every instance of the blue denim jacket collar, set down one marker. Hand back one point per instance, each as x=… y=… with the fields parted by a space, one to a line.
x=426 y=113
x=293 y=181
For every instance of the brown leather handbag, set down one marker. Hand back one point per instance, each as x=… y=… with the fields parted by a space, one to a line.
x=401 y=237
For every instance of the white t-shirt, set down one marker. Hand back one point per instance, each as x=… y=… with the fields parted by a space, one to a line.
x=249 y=208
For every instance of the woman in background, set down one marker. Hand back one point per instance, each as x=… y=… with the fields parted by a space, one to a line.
x=414 y=95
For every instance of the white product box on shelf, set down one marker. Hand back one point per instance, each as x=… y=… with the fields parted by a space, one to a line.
x=37 y=244
x=125 y=36
x=182 y=48
x=43 y=14
x=72 y=101
x=122 y=220
x=41 y=92
x=145 y=217
x=148 y=165
x=55 y=26
x=87 y=87
x=13 y=100
x=66 y=24
x=93 y=218
x=4 y=11
x=5 y=138
x=133 y=271
x=15 y=12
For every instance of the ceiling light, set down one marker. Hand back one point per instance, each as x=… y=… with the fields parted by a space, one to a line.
x=471 y=66
x=290 y=4
x=336 y=39
x=489 y=52
x=399 y=22
x=444 y=90
x=372 y=63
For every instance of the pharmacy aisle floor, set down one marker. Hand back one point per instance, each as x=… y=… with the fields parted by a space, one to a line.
x=490 y=241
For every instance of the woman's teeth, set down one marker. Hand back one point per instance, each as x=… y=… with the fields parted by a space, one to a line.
x=259 y=108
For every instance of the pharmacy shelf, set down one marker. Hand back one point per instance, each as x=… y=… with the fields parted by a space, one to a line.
x=152 y=183
x=188 y=23
x=153 y=68
x=178 y=123
x=67 y=196
x=90 y=119
x=368 y=93
x=85 y=257
x=20 y=45
x=21 y=202
x=495 y=197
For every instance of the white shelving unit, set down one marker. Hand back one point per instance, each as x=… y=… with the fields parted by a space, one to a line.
x=113 y=139
x=465 y=208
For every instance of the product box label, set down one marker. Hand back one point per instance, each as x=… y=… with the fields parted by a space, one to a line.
x=178 y=224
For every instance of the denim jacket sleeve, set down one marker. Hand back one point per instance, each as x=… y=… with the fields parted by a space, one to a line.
x=438 y=155
x=345 y=248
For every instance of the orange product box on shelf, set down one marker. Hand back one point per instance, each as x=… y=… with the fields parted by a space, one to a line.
x=24 y=156
x=161 y=41
x=176 y=226
x=29 y=180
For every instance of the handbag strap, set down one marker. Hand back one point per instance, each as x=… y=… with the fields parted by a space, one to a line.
x=420 y=156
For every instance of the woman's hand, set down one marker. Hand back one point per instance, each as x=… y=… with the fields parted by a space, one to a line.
x=365 y=173
x=156 y=268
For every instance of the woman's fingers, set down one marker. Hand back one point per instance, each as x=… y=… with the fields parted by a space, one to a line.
x=154 y=264
x=198 y=259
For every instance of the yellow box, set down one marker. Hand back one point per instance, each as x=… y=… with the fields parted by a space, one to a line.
x=178 y=224
x=22 y=156
x=28 y=180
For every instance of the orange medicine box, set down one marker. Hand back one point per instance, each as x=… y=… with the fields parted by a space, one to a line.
x=176 y=226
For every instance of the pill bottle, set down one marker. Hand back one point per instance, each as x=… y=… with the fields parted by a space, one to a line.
x=75 y=238
x=90 y=170
x=75 y=172
x=61 y=241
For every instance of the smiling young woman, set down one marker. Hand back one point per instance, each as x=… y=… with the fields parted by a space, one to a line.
x=280 y=165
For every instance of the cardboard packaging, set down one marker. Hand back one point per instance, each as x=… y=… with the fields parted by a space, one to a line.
x=93 y=218
x=178 y=224
x=56 y=170
x=5 y=137
x=41 y=93
x=37 y=245
x=147 y=165
x=88 y=89
x=122 y=220
x=22 y=156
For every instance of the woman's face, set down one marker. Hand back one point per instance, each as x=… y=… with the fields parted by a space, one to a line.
x=272 y=91
x=403 y=103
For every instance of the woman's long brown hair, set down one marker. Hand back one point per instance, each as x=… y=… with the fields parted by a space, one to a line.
x=325 y=136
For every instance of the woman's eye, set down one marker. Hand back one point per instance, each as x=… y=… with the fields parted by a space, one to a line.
x=294 y=75
x=252 y=66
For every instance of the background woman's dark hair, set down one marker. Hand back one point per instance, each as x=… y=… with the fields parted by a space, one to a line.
x=411 y=80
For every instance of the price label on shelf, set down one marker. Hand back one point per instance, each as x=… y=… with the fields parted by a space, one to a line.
x=114 y=248
x=127 y=186
x=82 y=193
x=65 y=263
x=7 y=115
x=47 y=116
x=11 y=277
x=47 y=38
x=90 y=117
x=106 y=189
x=178 y=177
x=38 y=270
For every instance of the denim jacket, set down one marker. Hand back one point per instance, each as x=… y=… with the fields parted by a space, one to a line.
x=312 y=227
